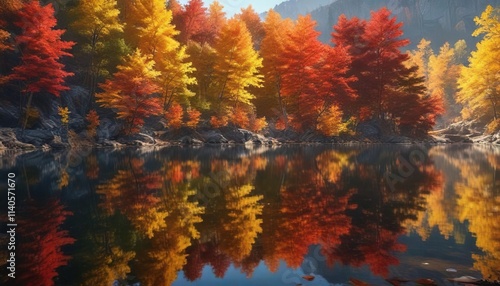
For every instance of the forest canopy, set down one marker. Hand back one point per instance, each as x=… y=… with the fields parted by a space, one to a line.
x=191 y=66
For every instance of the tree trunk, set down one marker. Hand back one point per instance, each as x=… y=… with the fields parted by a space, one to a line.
x=27 y=112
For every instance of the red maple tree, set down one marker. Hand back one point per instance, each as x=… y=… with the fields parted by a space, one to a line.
x=41 y=49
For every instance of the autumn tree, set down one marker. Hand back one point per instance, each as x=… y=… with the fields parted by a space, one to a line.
x=202 y=57
x=194 y=26
x=41 y=50
x=384 y=59
x=216 y=20
x=349 y=33
x=4 y=45
x=236 y=67
x=270 y=101
x=479 y=88
x=383 y=79
x=442 y=81
x=253 y=23
x=149 y=28
x=4 y=36
x=96 y=21
x=131 y=91
x=302 y=59
x=420 y=58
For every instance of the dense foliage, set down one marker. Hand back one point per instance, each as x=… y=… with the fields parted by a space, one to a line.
x=148 y=58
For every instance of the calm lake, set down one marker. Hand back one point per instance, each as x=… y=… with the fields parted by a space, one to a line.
x=257 y=216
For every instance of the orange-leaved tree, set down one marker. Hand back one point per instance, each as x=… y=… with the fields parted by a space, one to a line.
x=253 y=23
x=41 y=50
x=131 y=91
x=302 y=60
x=270 y=101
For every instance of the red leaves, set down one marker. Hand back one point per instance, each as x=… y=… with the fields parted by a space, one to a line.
x=42 y=48
x=385 y=87
x=42 y=238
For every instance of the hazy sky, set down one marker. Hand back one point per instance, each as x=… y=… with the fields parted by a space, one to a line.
x=233 y=6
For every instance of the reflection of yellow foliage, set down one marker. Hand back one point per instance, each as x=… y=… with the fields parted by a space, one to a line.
x=481 y=208
x=64 y=180
x=479 y=202
x=331 y=163
x=330 y=122
x=440 y=210
x=130 y=192
x=109 y=267
x=241 y=225
x=167 y=255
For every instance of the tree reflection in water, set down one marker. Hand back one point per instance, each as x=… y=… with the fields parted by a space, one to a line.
x=156 y=215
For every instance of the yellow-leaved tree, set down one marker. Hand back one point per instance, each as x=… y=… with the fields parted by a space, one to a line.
x=272 y=48
x=480 y=81
x=97 y=22
x=149 y=28
x=236 y=67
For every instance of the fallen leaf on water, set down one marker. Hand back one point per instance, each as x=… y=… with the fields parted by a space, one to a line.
x=357 y=282
x=465 y=279
x=396 y=281
x=308 y=277
x=425 y=281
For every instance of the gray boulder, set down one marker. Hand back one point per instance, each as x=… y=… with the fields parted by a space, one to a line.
x=36 y=137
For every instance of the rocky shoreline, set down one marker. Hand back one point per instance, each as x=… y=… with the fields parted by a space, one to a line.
x=39 y=139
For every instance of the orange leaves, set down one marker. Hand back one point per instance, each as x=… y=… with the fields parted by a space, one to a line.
x=219 y=121
x=239 y=117
x=330 y=122
x=92 y=122
x=4 y=36
x=174 y=116
x=131 y=91
x=257 y=124
x=302 y=56
x=193 y=118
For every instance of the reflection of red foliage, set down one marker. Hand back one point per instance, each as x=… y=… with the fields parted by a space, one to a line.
x=217 y=259
x=310 y=216
x=250 y=262
x=41 y=240
x=194 y=265
x=380 y=255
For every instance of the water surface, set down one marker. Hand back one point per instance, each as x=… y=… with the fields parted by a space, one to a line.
x=237 y=216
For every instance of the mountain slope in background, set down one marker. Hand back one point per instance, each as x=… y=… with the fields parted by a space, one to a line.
x=437 y=20
x=293 y=8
